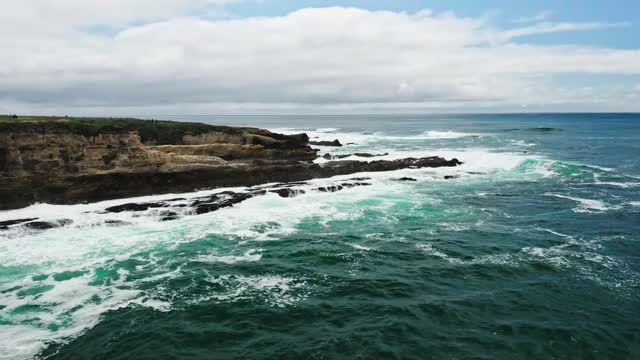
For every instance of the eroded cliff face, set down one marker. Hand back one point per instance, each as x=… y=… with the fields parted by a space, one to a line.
x=56 y=153
x=30 y=153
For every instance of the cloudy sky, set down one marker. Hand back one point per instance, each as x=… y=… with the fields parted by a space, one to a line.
x=132 y=57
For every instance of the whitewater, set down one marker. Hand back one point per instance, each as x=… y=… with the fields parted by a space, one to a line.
x=534 y=236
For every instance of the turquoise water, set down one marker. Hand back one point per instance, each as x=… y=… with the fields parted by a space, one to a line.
x=532 y=251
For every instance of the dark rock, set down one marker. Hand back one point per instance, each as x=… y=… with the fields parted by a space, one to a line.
x=352 y=166
x=332 y=188
x=287 y=193
x=168 y=216
x=4 y=225
x=223 y=200
x=367 y=155
x=326 y=143
x=298 y=183
x=134 y=207
x=449 y=177
x=45 y=225
x=115 y=223
x=535 y=129
x=176 y=199
x=350 y=185
x=345 y=185
x=344 y=156
x=406 y=179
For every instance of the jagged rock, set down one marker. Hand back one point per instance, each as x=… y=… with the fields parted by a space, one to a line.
x=344 y=156
x=367 y=155
x=135 y=207
x=350 y=185
x=45 y=225
x=115 y=223
x=335 y=142
x=352 y=166
x=406 y=179
x=223 y=200
x=4 y=225
x=449 y=177
x=168 y=216
x=297 y=183
x=332 y=188
x=288 y=193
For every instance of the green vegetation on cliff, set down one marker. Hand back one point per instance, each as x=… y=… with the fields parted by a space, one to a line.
x=158 y=131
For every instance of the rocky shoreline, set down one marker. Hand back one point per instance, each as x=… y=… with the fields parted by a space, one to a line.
x=67 y=161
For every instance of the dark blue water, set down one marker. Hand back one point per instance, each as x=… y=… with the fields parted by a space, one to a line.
x=530 y=251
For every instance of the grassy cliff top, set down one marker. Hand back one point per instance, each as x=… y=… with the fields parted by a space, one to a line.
x=160 y=131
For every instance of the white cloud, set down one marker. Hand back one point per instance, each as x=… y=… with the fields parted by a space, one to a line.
x=88 y=12
x=313 y=59
x=547 y=28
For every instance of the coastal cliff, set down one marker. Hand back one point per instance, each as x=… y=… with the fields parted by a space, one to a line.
x=71 y=160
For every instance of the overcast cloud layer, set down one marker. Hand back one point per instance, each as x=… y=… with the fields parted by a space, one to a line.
x=157 y=57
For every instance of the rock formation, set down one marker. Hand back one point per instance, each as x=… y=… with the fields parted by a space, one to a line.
x=335 y=142
x=67 y=160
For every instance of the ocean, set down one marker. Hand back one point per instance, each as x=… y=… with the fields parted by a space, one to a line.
x=529 y=250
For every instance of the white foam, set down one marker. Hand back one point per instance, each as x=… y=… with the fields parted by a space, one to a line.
x=327 y=130
x=249 y=256
x=20 y=341
x=365 y=138
x=556 y=233
x=481 y=160
x=432 y=134
x=618 y=184
x=586 y=205
x=330 y=134
x=360 y=247
x=275 y=290
x=522 y=143
x=634 y=203
x=72 y=299
x=427 y=248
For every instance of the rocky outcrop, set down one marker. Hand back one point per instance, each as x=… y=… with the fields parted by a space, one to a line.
x=238 y=152
x=344 y=156
x=172 y=209
x=335 y=142
x=66 y=161
x=29 y=151
x=20 y=192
